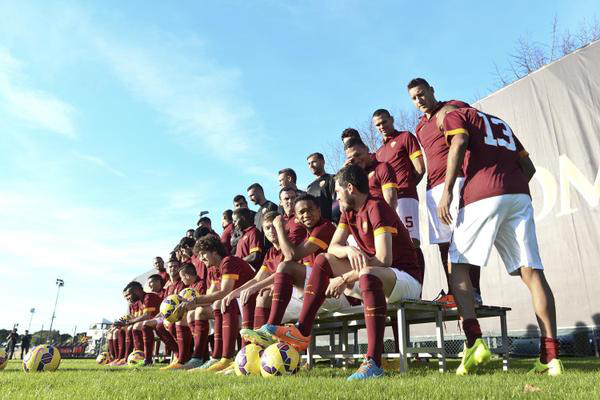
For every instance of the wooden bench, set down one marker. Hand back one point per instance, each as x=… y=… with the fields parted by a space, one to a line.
x=403 y=313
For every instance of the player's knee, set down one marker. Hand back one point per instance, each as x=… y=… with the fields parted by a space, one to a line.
x=285 y=267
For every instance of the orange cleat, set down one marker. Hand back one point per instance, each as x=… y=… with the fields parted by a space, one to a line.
x=290 y=335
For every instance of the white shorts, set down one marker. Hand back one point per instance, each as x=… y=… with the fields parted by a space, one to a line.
x=408 y=211
x=505 y=222
x=406 y=287
x=438 y=231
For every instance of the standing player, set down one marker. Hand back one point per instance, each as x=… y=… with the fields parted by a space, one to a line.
x=401 y=150
x=256 y=194
x=159 y=266
x=323 y=187
x=294 y=229
x=250 y=246
x=495 y=210
x=436 y=150
x=227 y=224
x=383 y=268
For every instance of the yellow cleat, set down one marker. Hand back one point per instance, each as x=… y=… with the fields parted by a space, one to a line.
x=553 y=368
x=170 y=366
x=227 y=371
x=474 y=357
x=220 y=366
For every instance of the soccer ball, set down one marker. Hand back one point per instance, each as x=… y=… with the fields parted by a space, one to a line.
x=279 y=359
x=42 y=358
x=135 y=358
x=189 y=294
x=103 y=358
x=3 y=359
x=168 y=306
x=247 y=361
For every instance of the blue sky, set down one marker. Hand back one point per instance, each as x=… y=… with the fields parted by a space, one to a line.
x=118 y=123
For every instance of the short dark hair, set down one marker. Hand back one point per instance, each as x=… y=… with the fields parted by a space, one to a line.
x=199 y=232
x=417 y=82
x=186 y=242
x=318 y=155
x=269 y=216
x=174 y=261
x=287 y=189
x=188 y=269
x=288 y=171
x=204 y=219
x=134 y=285
x=210 y=243
x=354 y=175
x=155 y=277
x=352 y=142
x=255 y=186
x=239 y=197
x=244 y=213
x=381 y=112
x=228 y=214
x=307 y=197
x=350 y=133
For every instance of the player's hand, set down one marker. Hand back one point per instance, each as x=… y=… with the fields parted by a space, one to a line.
x=278 y=222
x=358 y=259
x=336 y=287
x=245 y=295
x=225 y=302
x=443 y=208
x=183 y=307
x=268 y=291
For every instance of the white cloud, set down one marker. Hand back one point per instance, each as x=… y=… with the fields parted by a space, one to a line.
x=101 y=163
x=33 y=106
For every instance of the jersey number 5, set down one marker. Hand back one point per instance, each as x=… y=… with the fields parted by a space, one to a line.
x=506 y=131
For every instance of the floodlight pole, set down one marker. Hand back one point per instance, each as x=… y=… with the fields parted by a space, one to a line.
x=60 y=283
x=32 y=311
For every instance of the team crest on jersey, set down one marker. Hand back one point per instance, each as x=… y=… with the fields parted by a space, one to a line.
x=393 y=143
x=264 y=211
x=322 y=183
x=365 y=226
x=371 y=174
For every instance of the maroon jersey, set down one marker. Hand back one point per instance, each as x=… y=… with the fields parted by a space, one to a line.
x=273 y=258
x=493 y=155
x=174 y=288
x=164 y=275
x=234 y=268
x=199 y=285
x=201 y=271
x=399 y=150
x=134 y=309
x=296 y=232
x=381 y=176
x=250 y=242
x=376 y=217
x=226 y=237
x=150 y=304
x=320 y=235
x=214 y=276
x=434 y=145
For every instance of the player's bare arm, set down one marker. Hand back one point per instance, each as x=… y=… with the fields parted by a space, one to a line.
x=419 y=165
x=234 y=294
x=227 y=286
x=390 y=195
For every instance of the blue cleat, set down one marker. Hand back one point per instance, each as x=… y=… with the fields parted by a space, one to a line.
x=367 y=370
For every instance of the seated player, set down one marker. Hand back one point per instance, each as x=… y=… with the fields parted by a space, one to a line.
x=383 y=268
x=293 y=272
x=250 y=246
x=155 y=284
x=117 y=335
x=234 y=272
x=159 y=266
x=495 y=210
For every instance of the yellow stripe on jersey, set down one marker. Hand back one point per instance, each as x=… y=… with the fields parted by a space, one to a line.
x=306 y=263
x=342 y=226
x=389 y=185
x=149 y=309
x=233 y=277
x=415 y=154
x=254 y=249
x=263 y=268
x=384 y=229
x=318 y=242
x=457 y=131
x=523 y=154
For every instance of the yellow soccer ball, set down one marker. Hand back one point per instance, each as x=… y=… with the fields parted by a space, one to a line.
x=189 y=294
x=136 y=358
x=168 y=306
x=279 y=359
x=247 y=361
x=42 y=358
x=3 y=359
x=103 y=358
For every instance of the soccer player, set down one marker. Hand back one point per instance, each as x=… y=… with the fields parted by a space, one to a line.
x=256 y=194
x=494 y=210
x=190 y=233
x=250 y=245
x=294 y=229
x=234 y=273
x=287 y=178
x=383 y=268
x=227 y=224
x=401 y=150
x=121 y=334
x=436 y=150
x=323 y=187
x=159 y=266
x=350 y=133
x=382 y=179
x=239 y=201
x=296 y=268
x=155 y=284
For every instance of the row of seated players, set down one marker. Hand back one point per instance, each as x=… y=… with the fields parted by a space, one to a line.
x=296 y=279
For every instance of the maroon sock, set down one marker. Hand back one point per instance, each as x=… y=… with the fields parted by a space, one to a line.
x=375 y=309
x=128 y=343
x=121 y=340
x=261 y=314
x=201 y=329
x=138 y=339
x=111 y=349
x=166 y=337
x=184 y=341
x=549 y=349
x=472 y=330
x=283 y=287
x=248 y=312
x=148 y=340
x=314 y=294
x=474 y=274
x=231 y=329
x=218 y=335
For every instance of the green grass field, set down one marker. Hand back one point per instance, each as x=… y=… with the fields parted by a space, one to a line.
x=84 y=379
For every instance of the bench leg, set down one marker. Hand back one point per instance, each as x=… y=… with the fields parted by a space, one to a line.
x=439 y=333
x=402 y=339
x=344 y=341
x=504 y=331
x=311 y=351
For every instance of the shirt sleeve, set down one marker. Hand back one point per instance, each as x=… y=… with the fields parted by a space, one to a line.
x=296 y=232
x=383 y=219
x=412 y=146
x=151 y=303
x=254 y=241
x=230 y=270
x=322 y=235
x=387 y=176
x=455 y=123
x=520 y=149
x=343 y=224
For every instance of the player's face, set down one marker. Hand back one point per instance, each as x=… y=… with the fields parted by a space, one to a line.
x=423 y=98
x=357 y=155
x=159 y=264
x=255 y=196
x=224 y=222
x=239 y=223
x=307 y=213
x=287 y=200
x=284 y=180
x=190 y=233
x=316 y=165
x=384 y=124
x=344 y=197
x=270 y=232
x=173 y=270
x=210 y=258
x=240 y=204
x=128 y=296
x=186 y=279
x=155 y=285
